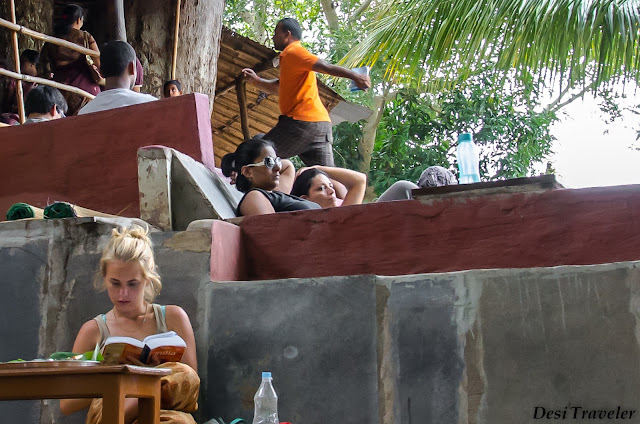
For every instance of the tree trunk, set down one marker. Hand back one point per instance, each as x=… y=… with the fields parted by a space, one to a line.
x=365 y=147
x=150 y=31
x=258 y=17
x=367 y=142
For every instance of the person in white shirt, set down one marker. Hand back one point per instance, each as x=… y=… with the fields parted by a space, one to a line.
x=118 y=67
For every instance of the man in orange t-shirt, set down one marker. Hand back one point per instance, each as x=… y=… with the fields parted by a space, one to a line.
x=304 y=127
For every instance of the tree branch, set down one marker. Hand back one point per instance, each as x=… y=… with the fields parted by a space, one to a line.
x=331 y=15
x=556 y=105
x=364 y=6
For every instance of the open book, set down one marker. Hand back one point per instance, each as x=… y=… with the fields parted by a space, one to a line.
x=167 y=347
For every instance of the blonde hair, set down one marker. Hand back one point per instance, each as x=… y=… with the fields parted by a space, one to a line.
x=132 y=245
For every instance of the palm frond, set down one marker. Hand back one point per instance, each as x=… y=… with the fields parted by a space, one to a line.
x=565 y=38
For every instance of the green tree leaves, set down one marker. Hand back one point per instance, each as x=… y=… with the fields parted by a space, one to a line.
x=419 y=130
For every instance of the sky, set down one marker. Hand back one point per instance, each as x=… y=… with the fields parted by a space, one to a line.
x=591 y=153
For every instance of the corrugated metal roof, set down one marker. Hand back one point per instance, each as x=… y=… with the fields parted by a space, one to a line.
x=238 y=52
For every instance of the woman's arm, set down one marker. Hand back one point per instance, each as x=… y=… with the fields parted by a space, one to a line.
x=287 y=176
x=178 y=321
x=355 y=182
x=86 y=340
x=255 y=203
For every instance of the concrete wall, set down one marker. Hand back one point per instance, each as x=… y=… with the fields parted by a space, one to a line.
x=481 y=346
x=91 y=160
x=46 y=273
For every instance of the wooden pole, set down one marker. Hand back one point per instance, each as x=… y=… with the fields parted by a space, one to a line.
x=174 y=61
x=47 y=38
x=43 y=81
x=16 y=58
x=242 y=106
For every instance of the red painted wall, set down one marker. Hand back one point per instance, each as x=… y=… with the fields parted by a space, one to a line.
x=91 y=160
x=521 y=230
x=227 y=253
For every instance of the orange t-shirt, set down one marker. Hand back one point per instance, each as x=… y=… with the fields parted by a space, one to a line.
x=298 y=88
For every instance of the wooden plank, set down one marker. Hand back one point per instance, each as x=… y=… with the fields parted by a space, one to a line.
x=226 y=145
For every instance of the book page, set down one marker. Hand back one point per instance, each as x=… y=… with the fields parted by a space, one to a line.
x=117 y=353
x=164 y=339
x=159 y=335
x=122 y=339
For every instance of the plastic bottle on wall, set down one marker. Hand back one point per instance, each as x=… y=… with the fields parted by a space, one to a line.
x=468 y=159
x=266 y=402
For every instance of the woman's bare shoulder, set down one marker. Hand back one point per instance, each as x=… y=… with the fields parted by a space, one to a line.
x=90 y=327
x=87 y=337
x=175 y=313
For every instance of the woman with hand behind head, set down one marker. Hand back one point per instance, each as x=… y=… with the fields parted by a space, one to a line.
x=329 y=186
x=128 y=274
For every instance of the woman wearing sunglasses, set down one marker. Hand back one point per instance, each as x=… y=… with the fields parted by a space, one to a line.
x=258 y=175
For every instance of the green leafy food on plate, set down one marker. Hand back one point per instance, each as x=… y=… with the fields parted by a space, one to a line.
x=87 y=356
x=58 y=356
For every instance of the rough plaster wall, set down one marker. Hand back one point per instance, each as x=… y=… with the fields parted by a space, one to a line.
x=34 y=14
x=150 y=30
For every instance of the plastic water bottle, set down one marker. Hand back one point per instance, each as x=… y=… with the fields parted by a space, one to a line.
x=266 y=402
x=468 y=159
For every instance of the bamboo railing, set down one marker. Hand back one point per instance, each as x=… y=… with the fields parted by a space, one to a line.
x=43 y=81
x=47 y=38
x=15 y=28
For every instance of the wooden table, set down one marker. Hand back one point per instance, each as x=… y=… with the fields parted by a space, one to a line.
x=112 y=383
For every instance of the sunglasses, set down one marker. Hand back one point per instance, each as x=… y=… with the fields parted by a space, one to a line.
x=268 y=162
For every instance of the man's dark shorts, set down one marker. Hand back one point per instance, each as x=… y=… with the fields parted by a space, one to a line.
x=312 y=141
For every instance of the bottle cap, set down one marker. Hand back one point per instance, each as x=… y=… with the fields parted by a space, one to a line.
x=266 y=374
x=464 y=137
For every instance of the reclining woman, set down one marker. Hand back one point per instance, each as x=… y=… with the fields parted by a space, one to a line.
x=129 y=276
x=330 y=187
x=258 y=175
x=319 y=184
